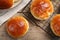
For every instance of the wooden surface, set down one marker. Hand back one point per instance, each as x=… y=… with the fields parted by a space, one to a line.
x=34 y=33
